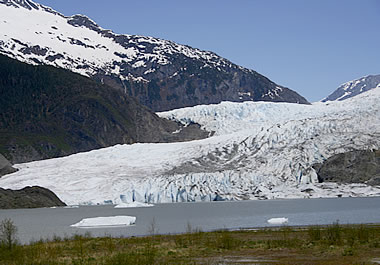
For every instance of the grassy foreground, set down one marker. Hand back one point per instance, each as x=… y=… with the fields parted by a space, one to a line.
x=333 y=244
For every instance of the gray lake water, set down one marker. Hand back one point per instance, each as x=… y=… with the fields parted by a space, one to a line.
x=34 y=224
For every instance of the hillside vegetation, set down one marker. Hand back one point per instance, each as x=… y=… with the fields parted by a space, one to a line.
x=48 y=112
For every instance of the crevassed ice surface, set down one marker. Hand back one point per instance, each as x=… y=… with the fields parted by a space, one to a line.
x=259 y=151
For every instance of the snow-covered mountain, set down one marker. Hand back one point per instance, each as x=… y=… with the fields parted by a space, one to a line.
x=161 y=74
x=260 y=150
x=354 y=87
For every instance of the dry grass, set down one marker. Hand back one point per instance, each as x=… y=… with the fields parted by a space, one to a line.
x=334 y=244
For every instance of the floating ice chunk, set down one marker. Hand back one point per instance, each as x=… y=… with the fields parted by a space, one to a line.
x=65 y=207
x=106 y=221
x=133 y=205
x=278 y=221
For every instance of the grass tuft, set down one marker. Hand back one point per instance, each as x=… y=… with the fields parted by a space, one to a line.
x=333 y=244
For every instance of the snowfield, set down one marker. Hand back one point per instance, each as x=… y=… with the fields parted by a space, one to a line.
x=260 y=150
x=40 y=35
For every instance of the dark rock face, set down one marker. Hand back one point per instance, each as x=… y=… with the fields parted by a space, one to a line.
x=185 y=80
x=47 y=112
x=5 y=166
x=351 y=167
x=29 y=197
x=160 y=74
x=20 y=3
x=185 y=83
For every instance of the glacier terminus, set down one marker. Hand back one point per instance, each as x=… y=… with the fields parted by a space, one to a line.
x=258 y=150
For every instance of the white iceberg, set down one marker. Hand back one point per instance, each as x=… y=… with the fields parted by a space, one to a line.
x=133 y=205
x=106 y=221
x=278 y=221
x=71 y=206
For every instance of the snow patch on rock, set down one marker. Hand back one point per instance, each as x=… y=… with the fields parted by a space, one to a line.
x=354 y=87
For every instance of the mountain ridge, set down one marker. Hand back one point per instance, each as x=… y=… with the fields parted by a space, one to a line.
x=353 y=88
x=161 y=74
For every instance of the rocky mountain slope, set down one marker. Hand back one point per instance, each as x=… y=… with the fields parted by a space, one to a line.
x=355 y=87
x=5 y=166
x=48 y=112
x=359 y=166
x=28 y=197
x=260 y=150
x=161 y=74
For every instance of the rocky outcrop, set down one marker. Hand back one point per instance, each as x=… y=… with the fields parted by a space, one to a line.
x=185 y=82
x=5 y=166
x=47 y=112
x=29 y=197
x=351 y=167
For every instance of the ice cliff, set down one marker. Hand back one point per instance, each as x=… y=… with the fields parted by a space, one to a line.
x=260 y=150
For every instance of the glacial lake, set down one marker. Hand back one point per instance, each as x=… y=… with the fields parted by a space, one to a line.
x=34 y=224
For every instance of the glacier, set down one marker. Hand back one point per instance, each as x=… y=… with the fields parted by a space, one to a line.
x=259 y=150
x=133 y=205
